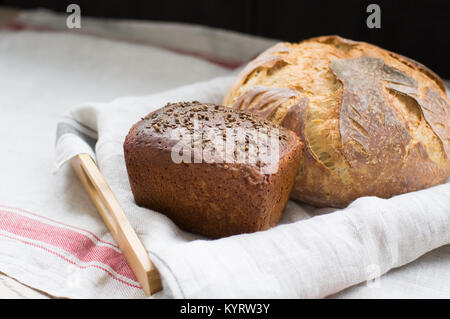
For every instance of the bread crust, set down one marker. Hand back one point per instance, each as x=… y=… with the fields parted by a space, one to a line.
x=216 y=198
x=373 y=123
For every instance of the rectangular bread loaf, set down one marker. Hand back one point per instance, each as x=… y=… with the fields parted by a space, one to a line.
x=181 y=163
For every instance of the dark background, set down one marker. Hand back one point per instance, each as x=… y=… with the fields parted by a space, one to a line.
x=417 y=29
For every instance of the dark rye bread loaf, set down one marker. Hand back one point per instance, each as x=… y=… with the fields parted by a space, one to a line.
x=175 y=170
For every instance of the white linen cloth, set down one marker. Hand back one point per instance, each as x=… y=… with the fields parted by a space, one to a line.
x=220 y=46
x=46 y=219
x=42 y=74
x=307 y=256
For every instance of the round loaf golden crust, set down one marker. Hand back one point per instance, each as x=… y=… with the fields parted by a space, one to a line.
x=373 y=122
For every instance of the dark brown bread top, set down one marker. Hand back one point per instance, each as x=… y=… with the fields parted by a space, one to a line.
x=157 y=130
x=215 y=197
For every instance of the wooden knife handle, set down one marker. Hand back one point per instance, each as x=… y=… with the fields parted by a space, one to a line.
x=115 y=219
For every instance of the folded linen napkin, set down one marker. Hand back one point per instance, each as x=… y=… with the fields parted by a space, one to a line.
x=311 y=253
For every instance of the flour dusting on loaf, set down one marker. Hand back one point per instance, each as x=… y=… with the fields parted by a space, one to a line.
x=372 y=122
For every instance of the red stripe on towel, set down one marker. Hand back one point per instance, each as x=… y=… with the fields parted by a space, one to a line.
x=18 y=26
x=78 y=245
x=60 y=223
x=223 y=62
x=70 y=261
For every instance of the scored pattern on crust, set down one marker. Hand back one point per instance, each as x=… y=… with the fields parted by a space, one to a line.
x=434 y=108
x=267 y=59
x=369 y=128
x=270 y=99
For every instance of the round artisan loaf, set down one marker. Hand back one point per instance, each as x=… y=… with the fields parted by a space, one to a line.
x=373 y=122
